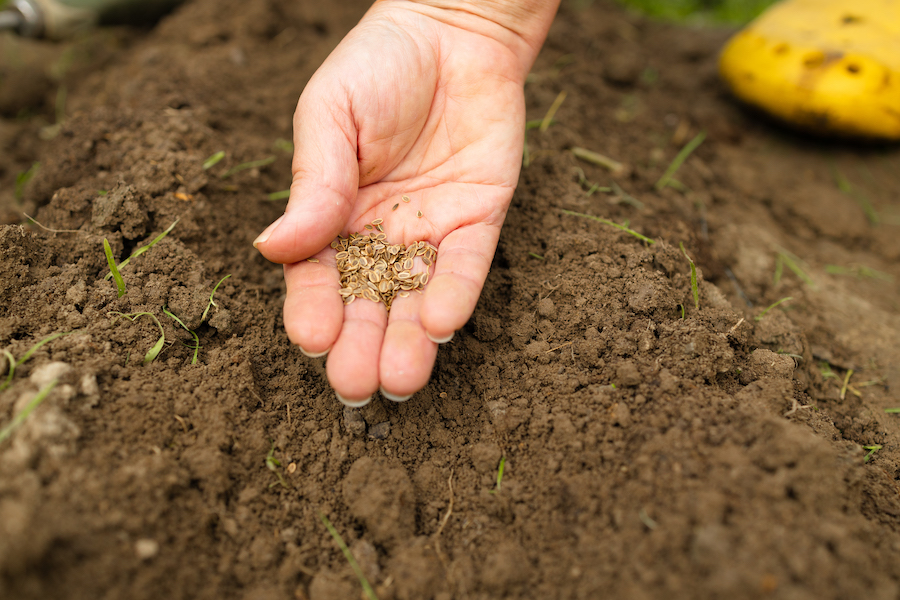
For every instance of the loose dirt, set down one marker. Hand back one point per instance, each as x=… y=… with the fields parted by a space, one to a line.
x=652 y=449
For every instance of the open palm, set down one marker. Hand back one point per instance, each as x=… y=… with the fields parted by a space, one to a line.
x=405 y=105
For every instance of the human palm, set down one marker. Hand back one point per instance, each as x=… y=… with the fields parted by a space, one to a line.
x=406 y=105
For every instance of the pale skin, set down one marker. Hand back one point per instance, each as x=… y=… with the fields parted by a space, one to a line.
x=423 y=99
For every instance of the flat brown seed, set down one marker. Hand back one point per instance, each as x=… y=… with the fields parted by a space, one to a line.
x=312 y=260
x=427 y=260
x=396 y=206
x=378 y=221
x=341 y=255
x=419 y=213
x=379 y=227
x=404 y=198
x=424 y=278
x=349 y=299
x=369 y=226
x=403 y=294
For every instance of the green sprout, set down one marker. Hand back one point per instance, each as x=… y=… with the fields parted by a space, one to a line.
x=273 y=464
x=548 y=118
x=760 y=316
x=598 y=159
x=154 y=351
x=196 y=346
x=499 y=475
x=786 y=259
x=682 y=156
x=537 y=256
x=366 y=586
x=248 y=165
x=143 y=249
x=13 y=363
x=872 y=450
x=23 y=414
x=695 y=290
x=113 y=269
x=284 y=145
x=23 y=178
x=213 y=160
x=280 y=195
x=860 y=272
x=849 y=189
x=608 y=222
x=211 y=301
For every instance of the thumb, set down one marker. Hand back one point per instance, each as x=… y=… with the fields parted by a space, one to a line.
x=325 y=180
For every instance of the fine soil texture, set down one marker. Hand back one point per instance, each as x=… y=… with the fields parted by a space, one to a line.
x=653 y=442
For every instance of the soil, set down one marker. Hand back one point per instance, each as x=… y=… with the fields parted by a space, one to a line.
x=650 y=448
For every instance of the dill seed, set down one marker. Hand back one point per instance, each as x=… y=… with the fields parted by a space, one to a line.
x=312 y=260
x=419 y=213
x=404 y=198
x=396 y=206
x=372 y=268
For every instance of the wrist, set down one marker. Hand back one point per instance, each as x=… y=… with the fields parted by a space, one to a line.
x=521 y=25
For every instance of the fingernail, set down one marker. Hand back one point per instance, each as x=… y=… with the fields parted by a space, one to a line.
x=394 y=398
x=313 y=354
x=353 y=403
x=267 y=232
x=440 y=341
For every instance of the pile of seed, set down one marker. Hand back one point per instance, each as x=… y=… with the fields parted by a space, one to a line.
x=373 y=269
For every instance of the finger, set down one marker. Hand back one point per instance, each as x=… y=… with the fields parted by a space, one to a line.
x=352 y=366
x=464 y=259
x=325 y=178
x=313 y=309
x=407 y=355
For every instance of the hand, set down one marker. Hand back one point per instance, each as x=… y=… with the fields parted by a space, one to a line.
x=417 y=101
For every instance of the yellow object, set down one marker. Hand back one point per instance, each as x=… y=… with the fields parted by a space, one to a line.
x=830 y=66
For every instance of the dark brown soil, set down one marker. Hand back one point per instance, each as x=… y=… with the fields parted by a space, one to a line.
x=652 y=449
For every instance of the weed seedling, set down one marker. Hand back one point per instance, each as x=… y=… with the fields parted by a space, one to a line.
x=892 y=411
x=537 y=256
x=23 y=414
x=760 y=316
x=859 y=272
x=536 y=123
x=23 y=178
x=682 y=156
x=280 y=195
x=143 y=249
x=284 y=145
x=614 y=166
x=253 y=164
x=154 y=351
x=499 y=475
x=113 y=269
x=786 y=259
x=872 y=450
x=366 y=586
x=548 y=118
x=213 y=160
x=864 y=202
x=13 y=363
x=196 y=346
x=211 y=301
x=695 y=290
x=273 y=464
x=639 y=236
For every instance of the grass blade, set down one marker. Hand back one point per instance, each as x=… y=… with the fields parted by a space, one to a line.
x=349 y=556
x=760 y=316
x=280 y=195
x=213 y=160
x=548 y=118
x=598 y=159
x=23 y=414
x=35 y=348
x=196 y=346
x=143 y=249
x=679 y=160
x=640 y=236
x=248 y=165
x=694 y=288
x=153 y=352
x=23 y=178
x=113 y=269
x=211 y=301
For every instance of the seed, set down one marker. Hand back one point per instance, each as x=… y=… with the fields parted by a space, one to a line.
x=394 y=207
x=369 y=226
x=341 y=255
x=424 y=278
x=404 y=275
x=419 y=213
x=346 y=292
x=378 y=221
x=349 y=300
x=404 y=198
x=379 y=227
x=403 y=294
x=312 y=260
x=426 y=260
